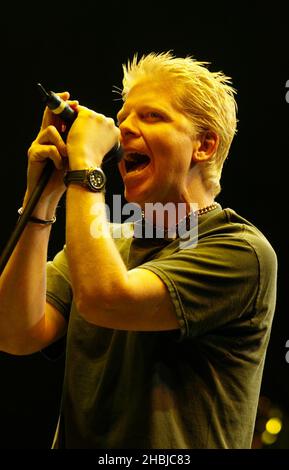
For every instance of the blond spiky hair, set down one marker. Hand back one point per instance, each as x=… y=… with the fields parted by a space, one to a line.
x=207 y=99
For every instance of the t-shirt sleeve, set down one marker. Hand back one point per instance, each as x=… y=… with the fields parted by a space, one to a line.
x=58 y=288
x=210 y=285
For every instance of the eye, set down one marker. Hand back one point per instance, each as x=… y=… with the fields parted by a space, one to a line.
x=153 y=116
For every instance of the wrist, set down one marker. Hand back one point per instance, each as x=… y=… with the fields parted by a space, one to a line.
x=83 y=166
x=35 y=220
x=45 y=210
x=93 y=179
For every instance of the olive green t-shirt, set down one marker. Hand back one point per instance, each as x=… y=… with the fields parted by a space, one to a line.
x=196 y=387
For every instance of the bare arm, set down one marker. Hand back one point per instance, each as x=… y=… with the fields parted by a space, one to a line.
x=105 y=292
x=27 y=323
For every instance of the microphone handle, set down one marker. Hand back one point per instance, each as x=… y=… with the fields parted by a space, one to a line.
x=27 y=212
x=61 y=108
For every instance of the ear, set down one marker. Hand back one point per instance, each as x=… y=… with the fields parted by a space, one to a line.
x=206 y=145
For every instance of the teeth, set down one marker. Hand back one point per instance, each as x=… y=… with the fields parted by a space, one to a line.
x=133 y=157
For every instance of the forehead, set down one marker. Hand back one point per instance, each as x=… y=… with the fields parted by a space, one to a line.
x=150 y=93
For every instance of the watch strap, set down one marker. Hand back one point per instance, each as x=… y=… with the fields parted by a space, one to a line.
x=76 y=176
x=93 y=179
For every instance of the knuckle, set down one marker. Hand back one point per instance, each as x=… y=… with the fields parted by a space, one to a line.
x=32 y=149
x=52 y=151
x=110 y=122
x=85 y=113
x=99 y=118
x=51 y=131
x=29 y=152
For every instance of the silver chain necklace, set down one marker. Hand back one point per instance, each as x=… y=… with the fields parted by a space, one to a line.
x=186 y=219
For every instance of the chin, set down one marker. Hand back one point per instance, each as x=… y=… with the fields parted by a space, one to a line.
x=135 y=197
x=138 y=193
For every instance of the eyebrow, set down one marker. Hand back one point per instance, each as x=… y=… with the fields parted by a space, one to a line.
x=123 y=113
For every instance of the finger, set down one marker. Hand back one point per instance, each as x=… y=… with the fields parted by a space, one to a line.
x=39 y=153
x=97 y=117
x=50 y=118
x=84 y=111
x=50 y=135
x=73 y=103
x=64 y=95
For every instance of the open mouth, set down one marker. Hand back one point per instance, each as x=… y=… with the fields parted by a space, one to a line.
x=136 y=162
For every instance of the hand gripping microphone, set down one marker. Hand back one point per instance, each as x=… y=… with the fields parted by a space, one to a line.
x=61 y=108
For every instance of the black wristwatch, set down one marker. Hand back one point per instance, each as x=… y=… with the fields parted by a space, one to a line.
x=93 y=179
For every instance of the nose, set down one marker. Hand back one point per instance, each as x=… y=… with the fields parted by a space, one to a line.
x=128 y=127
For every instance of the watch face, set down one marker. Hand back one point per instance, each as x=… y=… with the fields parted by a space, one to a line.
x=96 y=179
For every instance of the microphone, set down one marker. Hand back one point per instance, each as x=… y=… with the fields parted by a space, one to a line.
x=62 y=109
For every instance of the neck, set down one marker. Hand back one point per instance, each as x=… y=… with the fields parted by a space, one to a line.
x=196 y=190
x=193 y=197
x=171 y=214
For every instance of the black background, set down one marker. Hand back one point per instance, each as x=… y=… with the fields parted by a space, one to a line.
x=81 y=49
